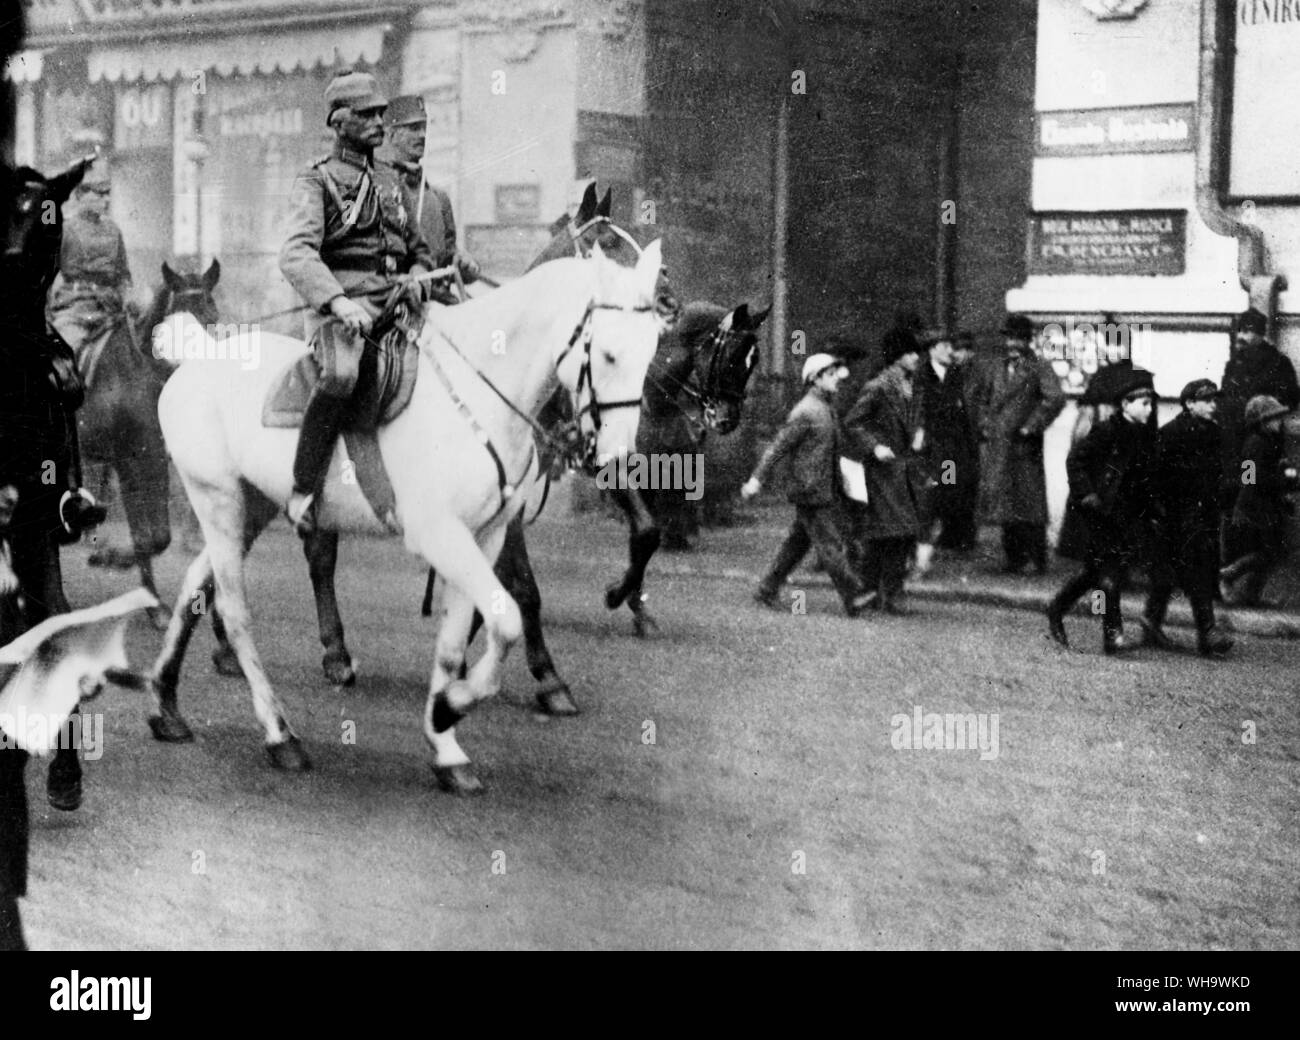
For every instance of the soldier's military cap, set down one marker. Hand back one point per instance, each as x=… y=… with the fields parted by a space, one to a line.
x=356 y=90
x=406 y=110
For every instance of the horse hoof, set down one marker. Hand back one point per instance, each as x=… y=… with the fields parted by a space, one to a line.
x=614 y=596
x=289 y=755
x=557 y=701
x=339 y=670
x=458 y=779
x=160 y=617
x=226 y=662
x=170 y=728
x=643 y=624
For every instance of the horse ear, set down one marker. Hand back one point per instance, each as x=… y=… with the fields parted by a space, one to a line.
x=170 y=278
x=757 y=318
x=212 y=275
x=587 y=209
x=602 y=210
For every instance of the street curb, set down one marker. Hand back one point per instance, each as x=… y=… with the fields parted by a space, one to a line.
x=1268 y=625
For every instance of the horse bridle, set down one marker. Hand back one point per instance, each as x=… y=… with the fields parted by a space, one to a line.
x=585 y=448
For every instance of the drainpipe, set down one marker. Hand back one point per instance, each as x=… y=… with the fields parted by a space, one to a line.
x=1261 y=285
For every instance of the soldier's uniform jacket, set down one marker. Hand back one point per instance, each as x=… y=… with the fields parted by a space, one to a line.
x=349 y=230
x=436 y=224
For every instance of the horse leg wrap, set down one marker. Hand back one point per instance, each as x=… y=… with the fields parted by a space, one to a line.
x=444 y=715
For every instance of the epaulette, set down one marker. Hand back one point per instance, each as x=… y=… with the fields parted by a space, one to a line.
x=321 y=161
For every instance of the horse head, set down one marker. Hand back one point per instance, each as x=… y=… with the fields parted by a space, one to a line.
x=604 y=364
x=182 y=293
x=591 y=226
x=190 y=292
x=725 y=363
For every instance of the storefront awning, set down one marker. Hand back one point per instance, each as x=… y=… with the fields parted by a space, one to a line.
x=285 y=51
x=24 y=67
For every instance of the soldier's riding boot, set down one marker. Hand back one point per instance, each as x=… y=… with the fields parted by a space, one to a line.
x=320 y=429
x=1211 y=641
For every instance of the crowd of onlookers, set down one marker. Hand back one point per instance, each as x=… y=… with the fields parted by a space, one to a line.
x=948 y=440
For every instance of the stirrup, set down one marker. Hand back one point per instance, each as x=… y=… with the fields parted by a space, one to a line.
x=300 y=511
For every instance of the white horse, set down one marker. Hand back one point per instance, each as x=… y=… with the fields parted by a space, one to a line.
x=460 y=458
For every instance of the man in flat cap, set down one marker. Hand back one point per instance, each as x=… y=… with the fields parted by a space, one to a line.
x=1020 y=400
x=350 y=237
x=1187 y=489
x=1255 y=366
x=406 y=123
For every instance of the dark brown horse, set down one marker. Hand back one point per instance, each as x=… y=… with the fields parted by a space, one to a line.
x=118 y=423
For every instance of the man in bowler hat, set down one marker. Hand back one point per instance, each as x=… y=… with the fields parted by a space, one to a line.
x=1019 y=401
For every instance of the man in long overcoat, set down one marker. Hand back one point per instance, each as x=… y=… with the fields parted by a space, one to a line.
x=1022 y=398
x=885 y=428
x=951 y=449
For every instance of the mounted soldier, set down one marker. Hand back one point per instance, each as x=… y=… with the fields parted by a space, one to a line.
x=350 y=238
x=88 y=298
x=406 y=124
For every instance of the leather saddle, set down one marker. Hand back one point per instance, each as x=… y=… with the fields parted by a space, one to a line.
x=385 y=382
x=384 y=385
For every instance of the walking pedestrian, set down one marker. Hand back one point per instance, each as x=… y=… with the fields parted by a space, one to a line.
x=950 y=451
x=810 y=440
x=885 y=427
x=1256 y=540
x=1188 y=489
x=1021 y=400
x=1111 y=508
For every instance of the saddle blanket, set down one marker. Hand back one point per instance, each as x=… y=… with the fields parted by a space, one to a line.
x=384 y=387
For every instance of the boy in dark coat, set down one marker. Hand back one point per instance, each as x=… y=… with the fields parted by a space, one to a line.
x=885 y=427
x=1111 y=507
x=1189 y=489
x=810 y=439
x=1256 y=535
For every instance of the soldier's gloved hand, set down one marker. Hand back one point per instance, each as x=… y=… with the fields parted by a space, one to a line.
x=354 y=317
x=750 y=488
x=413 y=296
x=469 y=269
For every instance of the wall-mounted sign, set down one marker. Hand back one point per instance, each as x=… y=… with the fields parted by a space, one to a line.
x=144 y=117
x=1110 y=131
x=506 y=252
x=519 y=203
x=1262 y=157
x=1122 y=242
